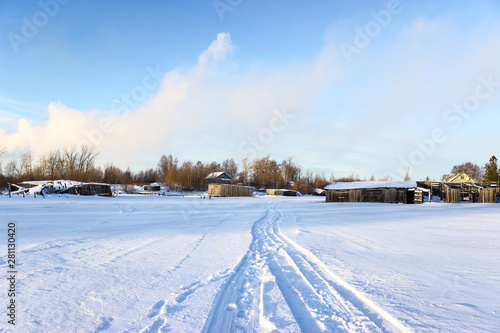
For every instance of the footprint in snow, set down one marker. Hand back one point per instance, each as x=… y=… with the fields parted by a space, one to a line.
x=105 y=324
x=156 y=326
x=183 y=296
x=155 y=309
x=191 y=285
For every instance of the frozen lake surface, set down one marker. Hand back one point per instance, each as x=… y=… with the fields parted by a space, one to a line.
x=185 y=264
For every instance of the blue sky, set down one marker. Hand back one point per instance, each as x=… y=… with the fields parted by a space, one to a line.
x=369 y=87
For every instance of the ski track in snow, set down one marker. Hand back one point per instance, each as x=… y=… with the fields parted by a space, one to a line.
x=318 y=299
x=197 y=243
x=163 y=308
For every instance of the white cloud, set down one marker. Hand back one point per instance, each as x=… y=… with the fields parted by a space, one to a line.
x=197 y=111
x=218 y=50
x=368 y=111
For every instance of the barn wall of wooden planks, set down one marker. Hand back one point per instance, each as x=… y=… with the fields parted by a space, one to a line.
x=448 y=192
x=383 y=195
x=225 y=190
x=467 y=192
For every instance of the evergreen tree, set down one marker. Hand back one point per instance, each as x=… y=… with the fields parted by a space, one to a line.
x=491 y=170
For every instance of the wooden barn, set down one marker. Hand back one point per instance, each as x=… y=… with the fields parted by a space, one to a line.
x=407 y=192
x=226 y=190
x=281 y=192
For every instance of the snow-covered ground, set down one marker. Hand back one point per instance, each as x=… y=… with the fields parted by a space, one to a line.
x=185 y=264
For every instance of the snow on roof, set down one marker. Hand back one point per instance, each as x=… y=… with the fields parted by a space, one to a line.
x=52 y=182
x=214 y=175
x=370 y=184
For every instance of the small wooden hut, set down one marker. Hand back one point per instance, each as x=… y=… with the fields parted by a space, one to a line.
x=103 y=190
x=281 y=192
x=226 y=190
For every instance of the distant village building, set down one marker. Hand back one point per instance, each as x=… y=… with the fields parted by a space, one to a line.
x=103 y=190
x=152 y=187
x=61 y=187
x=319 y=191
x=282 y=192
x=218 y=178
x=407 y=192
x=226 y=190
x=458 y=178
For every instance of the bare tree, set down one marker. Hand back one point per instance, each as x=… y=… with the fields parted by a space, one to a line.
x=166 y=165
x=69 y=161
x=472 y=170
x=266 y=172
x=86 y=159
x=245 y=173
x=214 y=167
x=407 y=176
x=49 y=163
x=230 y=167
x=112 y=174
x=26 y=166
x=291 y=171
x=12 y=171
x=2 y=152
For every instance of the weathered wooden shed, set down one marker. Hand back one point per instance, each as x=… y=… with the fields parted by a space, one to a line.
x=151 y=187
x=490 y=195
x=407 y=192
x=226 y=190
x=62 y=187
x=281 y=192
x=99 y=189
x=456 y=192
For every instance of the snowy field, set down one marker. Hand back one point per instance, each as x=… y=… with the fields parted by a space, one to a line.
x=185 y=264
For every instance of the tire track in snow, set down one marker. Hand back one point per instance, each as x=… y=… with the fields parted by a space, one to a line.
x=319 y=300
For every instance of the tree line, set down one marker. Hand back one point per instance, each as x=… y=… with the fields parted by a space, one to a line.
x=79 y=164
x=489 y=173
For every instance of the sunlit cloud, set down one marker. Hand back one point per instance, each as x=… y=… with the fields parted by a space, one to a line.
x=348 y=116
